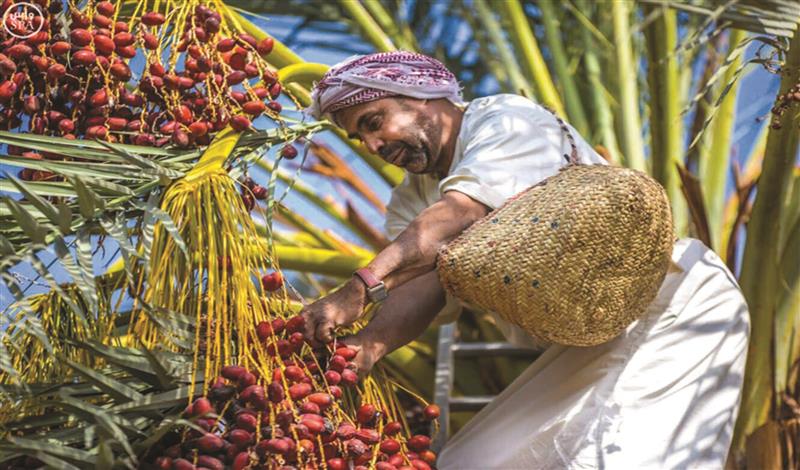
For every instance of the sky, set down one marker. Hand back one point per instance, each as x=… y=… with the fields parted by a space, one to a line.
x=757 y=88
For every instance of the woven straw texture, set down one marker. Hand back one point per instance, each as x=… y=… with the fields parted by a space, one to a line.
x=573 y=260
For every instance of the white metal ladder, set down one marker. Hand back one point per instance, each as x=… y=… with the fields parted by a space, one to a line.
x=447 y=350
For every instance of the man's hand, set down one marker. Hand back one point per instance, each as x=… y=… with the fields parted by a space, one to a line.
x=409 y=257
x=340 y=308
x=403 y=316
x=368 y=353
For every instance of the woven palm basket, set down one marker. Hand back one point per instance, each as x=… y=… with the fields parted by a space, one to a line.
x=572 y=260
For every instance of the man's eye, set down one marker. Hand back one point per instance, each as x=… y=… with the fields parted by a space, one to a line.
x=374 y=124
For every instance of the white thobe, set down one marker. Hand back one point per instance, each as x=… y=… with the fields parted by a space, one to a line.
x=664 y=394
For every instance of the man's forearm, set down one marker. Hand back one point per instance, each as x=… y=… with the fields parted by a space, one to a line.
x=412 y=255
x=404 y=315
x=414 y=251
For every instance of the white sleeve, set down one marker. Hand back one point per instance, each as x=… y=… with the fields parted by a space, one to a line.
x=402 y=208
x=510 y=147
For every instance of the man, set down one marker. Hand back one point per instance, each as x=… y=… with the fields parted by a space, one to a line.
x=664 y=394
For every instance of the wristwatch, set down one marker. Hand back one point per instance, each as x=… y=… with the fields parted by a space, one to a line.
x=376 y=290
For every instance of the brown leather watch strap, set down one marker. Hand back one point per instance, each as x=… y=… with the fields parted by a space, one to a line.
x=367 y=276
x=376 y=289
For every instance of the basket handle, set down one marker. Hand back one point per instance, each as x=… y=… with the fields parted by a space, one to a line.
x=573 y=158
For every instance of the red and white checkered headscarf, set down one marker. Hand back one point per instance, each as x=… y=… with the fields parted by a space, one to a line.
x=361 y=79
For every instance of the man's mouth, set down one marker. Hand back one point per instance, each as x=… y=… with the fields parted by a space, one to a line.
x=395 y=159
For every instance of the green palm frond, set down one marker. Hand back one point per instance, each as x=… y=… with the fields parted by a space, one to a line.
x=126 y=404
x=774 y=17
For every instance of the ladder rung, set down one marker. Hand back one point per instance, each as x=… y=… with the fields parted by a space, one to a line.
x=471 y=403
x=491 y=349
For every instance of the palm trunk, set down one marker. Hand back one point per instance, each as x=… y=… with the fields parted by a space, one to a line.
x=715 y=169
x=760 y=269
x=533 y=61
x=603 y=119
x=372 y=31
x=518 y=81
x=666 y=128
x=572 y=98
x=399 y=34
x=627 y=71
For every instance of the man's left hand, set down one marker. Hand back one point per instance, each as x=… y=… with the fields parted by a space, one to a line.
x=340 y=308
x=368 y=352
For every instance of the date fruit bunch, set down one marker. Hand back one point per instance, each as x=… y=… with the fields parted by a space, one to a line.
x=153 y=79
x=303 y=410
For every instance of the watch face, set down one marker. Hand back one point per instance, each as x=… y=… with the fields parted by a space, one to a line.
x=377 y=293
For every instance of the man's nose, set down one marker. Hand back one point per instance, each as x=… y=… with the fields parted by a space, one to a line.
x=374 y=145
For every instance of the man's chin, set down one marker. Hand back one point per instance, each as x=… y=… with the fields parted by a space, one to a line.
x=418 y=166
x=417 y=170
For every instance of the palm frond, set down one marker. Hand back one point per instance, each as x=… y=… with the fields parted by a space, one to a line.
x=774 y=17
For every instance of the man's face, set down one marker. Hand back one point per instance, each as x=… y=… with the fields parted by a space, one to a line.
x=396 y=129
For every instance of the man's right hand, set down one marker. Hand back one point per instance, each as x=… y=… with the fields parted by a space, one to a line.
x=340 y=308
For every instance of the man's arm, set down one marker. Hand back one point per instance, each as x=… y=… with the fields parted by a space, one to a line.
x=410 y=255
x=414 y=251
x=401 y=319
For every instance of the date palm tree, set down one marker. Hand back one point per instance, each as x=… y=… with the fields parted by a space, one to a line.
x=653 y=84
